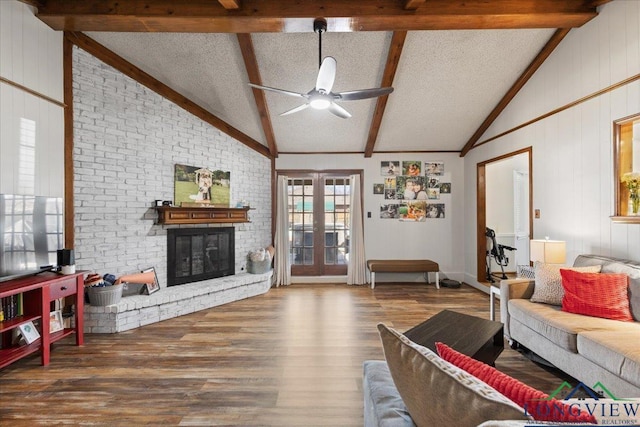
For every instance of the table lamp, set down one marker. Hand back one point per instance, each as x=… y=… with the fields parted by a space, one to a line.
x=548 y=251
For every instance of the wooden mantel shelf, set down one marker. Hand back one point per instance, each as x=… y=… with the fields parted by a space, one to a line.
x=201 y=215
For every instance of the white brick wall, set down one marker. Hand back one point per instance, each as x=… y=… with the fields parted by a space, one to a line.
x=127 y=140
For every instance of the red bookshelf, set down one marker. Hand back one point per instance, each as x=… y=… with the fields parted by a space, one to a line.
x=38 y=291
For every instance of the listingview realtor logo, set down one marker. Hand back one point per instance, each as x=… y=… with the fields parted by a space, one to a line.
x=597 y=401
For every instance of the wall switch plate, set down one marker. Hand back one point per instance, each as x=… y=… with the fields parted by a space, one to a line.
x=368 y=214
x=536 y=213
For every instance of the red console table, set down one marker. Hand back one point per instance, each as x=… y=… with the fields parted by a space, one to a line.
x=38 y=292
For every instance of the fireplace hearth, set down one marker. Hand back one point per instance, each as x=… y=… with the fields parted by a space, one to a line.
x=195 y=254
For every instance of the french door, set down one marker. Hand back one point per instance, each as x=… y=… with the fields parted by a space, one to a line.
x=319 y=214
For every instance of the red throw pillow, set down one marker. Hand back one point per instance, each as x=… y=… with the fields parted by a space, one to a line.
x=536 y=403
x=596 y=294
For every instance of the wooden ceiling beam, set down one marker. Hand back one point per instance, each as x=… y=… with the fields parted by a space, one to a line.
x=34 y=3
x=553 y=42
x=251 y=64
x=413 y=4
x=393 y=58
x=205 y=16
x=230 y=4
x=110 y=58
x=596 y=3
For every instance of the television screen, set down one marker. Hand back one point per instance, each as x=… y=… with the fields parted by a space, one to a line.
x=31 y=232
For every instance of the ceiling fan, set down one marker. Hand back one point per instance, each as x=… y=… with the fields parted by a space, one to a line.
x=321 y=97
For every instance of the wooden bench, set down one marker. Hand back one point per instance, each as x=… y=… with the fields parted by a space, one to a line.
x=403 y=266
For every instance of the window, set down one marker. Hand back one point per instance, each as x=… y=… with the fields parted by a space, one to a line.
x=627 y=169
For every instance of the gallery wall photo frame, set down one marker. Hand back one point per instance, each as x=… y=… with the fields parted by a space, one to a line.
x=390 y=168
x=434 y=168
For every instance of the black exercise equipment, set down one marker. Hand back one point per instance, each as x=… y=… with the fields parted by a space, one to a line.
x=496 y=251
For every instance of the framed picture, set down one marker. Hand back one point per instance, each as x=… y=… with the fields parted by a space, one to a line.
x=201 y=186
x=413 y=211
x=433 y=193
x=378 y=188
x=390 y=183
x=445 y=188
x=390 y=168
x=151 y=281
x=434 y=168
x=389 y=211
x=435 y=210
x=389 y=193
x=411 y=168
x=29 y=332
x=55 y=321
x=433 y=182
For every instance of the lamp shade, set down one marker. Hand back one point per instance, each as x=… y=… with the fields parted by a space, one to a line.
x=548 y=251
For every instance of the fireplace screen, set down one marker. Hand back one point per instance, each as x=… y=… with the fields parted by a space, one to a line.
x=199 y=253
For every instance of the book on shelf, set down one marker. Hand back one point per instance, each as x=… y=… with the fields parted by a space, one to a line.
x=12 y=306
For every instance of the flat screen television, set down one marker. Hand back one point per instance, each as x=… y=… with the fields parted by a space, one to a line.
x=31 y=232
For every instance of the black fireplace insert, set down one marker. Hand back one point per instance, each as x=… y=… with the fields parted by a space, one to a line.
x=195 y=254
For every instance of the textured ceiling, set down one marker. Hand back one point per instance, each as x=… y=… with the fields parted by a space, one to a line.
x=447 y=82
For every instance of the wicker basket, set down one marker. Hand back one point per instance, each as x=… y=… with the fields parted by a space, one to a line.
x=105 y=295
x=259 y=267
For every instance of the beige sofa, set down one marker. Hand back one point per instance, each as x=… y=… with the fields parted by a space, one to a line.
x=592 y=350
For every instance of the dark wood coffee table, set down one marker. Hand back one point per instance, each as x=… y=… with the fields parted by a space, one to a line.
x=476 y=337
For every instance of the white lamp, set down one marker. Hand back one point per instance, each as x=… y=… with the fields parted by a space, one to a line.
x=548 y=251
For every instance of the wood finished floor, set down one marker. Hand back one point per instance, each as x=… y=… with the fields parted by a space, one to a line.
x=291 y=357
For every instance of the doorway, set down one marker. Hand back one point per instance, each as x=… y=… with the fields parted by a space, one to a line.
x=505 y=199
x=319 y=217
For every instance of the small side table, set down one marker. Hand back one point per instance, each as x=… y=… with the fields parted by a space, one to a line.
x=474 y=336
x=493 y=291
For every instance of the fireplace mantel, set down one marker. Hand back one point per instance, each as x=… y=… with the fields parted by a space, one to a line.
x=201 y=215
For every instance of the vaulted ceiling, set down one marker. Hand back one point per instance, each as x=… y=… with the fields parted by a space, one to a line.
x=453 y=65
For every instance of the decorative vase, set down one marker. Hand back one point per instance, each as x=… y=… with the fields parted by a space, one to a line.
x=635 y=202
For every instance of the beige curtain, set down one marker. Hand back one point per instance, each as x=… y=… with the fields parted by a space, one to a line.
x=356 y=270
x=282 y=263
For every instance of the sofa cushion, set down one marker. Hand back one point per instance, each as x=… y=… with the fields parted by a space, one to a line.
x=594 y=294
x=383 y=406
x=537 y=403
x=616 y=351
x=558 y=326
x=548 y=282
x=436 y=392
x=614 y=265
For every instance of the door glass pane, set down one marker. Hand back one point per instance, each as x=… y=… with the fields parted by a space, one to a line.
x=336 y=220
x=301 y=221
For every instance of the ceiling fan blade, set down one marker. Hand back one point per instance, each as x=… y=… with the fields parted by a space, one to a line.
x=295 y=110
x=326 y=75
x=339 y=111
x=282 y=91
x=354 y=95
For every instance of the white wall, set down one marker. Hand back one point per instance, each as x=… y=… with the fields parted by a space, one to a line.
x=573 y=150
x=30 y=56
x=127 y=140
x=435 y=239
x=499 y=184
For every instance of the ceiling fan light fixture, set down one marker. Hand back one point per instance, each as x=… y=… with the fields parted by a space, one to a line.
x=319 y=103
x=321 y=97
